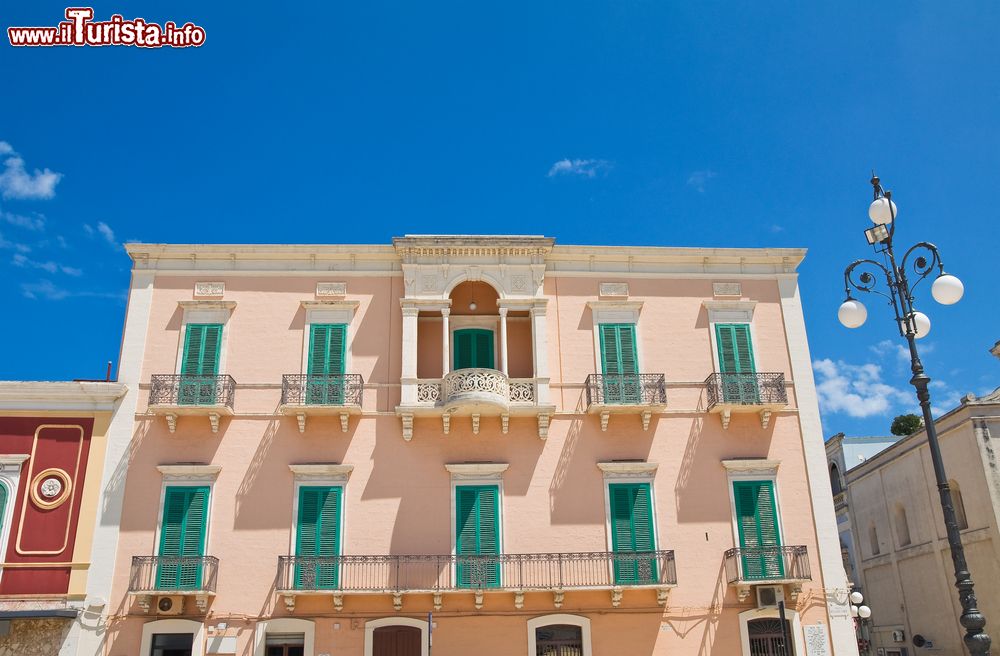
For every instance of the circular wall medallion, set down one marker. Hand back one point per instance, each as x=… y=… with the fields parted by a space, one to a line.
x=51 y=488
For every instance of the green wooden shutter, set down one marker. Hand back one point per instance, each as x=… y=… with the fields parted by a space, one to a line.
x=620 y=363
x=3 y=505
x=757 y=522
x=735 y=349
x=477 y=533
x=325 y=382
x=200 y=364
x=473 y=349
x=632 y=532
x=182 y=535
x=318 y=538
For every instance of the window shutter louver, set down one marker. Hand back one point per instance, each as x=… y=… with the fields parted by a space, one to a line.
x=200 y=360
x=757 y=521
x=609 y=350
x=620 y=364
x=191 y=360
x=327 y=345
x=182 y=534
x=477 y=533
x=3 y=504
x=473 y=349
x=726 y=337
x=318 y=536
x=626 y=346
x=632 y=532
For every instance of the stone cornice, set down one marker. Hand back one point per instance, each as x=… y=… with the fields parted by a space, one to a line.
x=58 y=396
x=620 y=469
x=331 y=305
x=631 y=306
x=751 y=465
x=189 y=472
x=410 y=246
x=468 y=470
x=207 y=305
x=321 y=471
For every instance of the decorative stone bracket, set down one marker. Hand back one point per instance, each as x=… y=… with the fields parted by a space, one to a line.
x=345 y=421
x=726 y=416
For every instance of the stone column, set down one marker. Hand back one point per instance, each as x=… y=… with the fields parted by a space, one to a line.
x=503 y=340
x=409 y=354
x=539 y=353
x=445 y=341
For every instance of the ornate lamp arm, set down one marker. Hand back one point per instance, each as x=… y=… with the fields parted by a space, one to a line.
x=866 y=282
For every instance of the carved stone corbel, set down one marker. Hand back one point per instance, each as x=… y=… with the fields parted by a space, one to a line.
x=543 y=426
x=742 y=592
x=661 y=596
x=301 y=418
x=344 y=421
x=765 y=418
x=407 y=419
x=475 y=424
x=726 y=415
x=446 y=423
x=605 y=417
x=557 y=598
x=201 y=601
x=397 y=601
x=213 y=417
x=290 y=603
x=144 y=601
x=338 y=601
x=504 y=423
x=646 y=416
x=171 y=422
x=437 y=601
x=616 y=596
x=479 y=599
x=519 y=599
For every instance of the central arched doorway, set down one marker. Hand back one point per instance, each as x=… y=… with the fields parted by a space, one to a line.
x=396 y=640
x=767 y=638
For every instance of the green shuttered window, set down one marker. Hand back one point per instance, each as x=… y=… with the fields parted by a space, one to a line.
x=736 y=358
x=183 y=529
x=632 y=532
x=327 y=349
x=3 y=507
x=477 y=533
x=473 y=349
x=620 y=363
x=757 y=521
x=318 y=537
x=200 y=363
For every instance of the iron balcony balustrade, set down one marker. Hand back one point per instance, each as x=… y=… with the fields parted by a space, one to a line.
x=477 y=393
x=751 y=392
x=173 y=395
x=641 y=394
x=437 y=575
x=306 y=395
x=162 y=576
x=747 y=566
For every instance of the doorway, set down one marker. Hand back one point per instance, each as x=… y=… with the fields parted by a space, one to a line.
x=396 y=640
x=284 y=644
x=558 y=640
x=767 y=638
x=172 y=644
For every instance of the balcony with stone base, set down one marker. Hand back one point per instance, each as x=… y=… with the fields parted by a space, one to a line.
x=761 y=394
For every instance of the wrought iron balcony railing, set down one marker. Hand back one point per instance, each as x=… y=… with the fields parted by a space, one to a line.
x=766 y=389
x=318 y=390
x=185 y=390
x=747 y=565
x=626 y=389
x=418 y=573
x=173 y=574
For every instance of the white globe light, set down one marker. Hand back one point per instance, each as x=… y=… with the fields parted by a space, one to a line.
x=854 y=611
x=473 y=306
x=852 y=313
x=947 y=289
x=857 y=597
x=922 y=323
x=879 y=211
x=864 y=612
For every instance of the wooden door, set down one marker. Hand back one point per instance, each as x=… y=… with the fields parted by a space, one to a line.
x=396 y=641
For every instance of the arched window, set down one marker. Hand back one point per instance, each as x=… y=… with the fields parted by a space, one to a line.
x=835 y=480
x=873 y=539
x=956 y=499
x=559 y=635
x=902 y=526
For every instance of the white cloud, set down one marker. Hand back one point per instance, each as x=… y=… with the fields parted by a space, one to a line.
x=775 y=228
x=587 y=168
x=45 y=289
x=857 y=390
x=10 y=245
x=36 y=223
x=888 y=348
x=104 y=230
x=50 y=266
x=17 y=182
x=699 y=179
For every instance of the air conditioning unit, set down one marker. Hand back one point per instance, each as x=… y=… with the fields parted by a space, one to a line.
x=768 y=596
x=172 y=605
x=898 y=636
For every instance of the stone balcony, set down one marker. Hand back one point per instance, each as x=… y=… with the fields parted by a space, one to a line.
x=441 y=575
x=475 y=393
x=154 y=577
x=759 y=393
x=634 y=394
x=175 y=395
x=313 y=395
x=769 y=565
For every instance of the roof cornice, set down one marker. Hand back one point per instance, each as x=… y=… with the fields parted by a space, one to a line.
x=60 y=395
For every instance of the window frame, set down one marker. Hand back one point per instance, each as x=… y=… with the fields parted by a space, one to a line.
x=10 y=478
x=201 y=312
x=753 y=470
x=187 y=476
x=542 y=621
x=329 y=312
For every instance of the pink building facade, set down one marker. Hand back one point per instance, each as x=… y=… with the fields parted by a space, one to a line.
x=468 y=442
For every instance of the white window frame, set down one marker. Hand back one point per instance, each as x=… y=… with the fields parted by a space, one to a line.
x=319 y=475
x=794 y=622
x=536 y=623
x=206 y=312
x=616 y=312
x=629 y=472
x=10 y=479
x=187 y=476
x=371 y=625
x=730 y=312
x=462 y=322
x=197 y=629
x=471 y=474
x=753 y=469
x=329 y=312
x=284 y=625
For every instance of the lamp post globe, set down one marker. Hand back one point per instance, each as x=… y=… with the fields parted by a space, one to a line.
x=922 y=325
x=947 y=289
x=857 y=597
x=852 y=313
x=882 y=211
x=864 y=612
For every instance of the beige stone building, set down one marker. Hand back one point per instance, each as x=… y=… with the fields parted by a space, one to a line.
x=903 y=563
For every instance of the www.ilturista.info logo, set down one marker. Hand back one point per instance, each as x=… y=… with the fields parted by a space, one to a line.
x=79 y=29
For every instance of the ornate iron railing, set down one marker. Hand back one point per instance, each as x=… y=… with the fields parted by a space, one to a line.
x=626 y=389
x=173 y=573
x=182 y=389
x=747 y=389
x=317 y=389
x=462 y=382
x=768 y=564
x=538 y=571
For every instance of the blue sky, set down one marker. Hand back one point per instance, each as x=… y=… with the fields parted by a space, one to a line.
x=662 y=123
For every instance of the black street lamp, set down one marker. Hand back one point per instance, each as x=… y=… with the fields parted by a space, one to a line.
x=913 y=325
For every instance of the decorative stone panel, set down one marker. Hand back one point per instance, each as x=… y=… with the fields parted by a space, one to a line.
x=614 y=289
x=727 y=289
x=212 y=289
x=331 y=289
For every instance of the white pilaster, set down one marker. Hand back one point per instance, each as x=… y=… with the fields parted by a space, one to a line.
x=833 y=576
x=409 y=354
x=503 y=340
x=540 y=353
x=445 y=341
